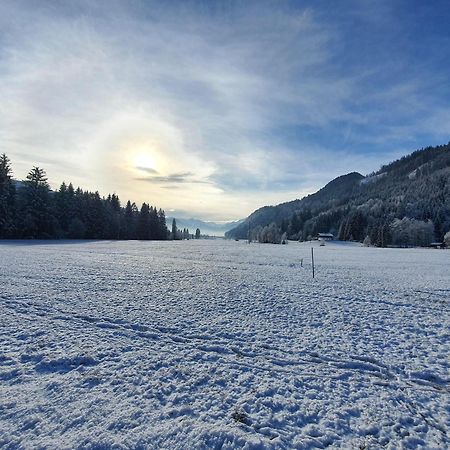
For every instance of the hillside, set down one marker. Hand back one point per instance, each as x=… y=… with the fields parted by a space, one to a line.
x=406 y=202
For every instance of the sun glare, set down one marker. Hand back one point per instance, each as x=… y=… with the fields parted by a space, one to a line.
x=144 y=161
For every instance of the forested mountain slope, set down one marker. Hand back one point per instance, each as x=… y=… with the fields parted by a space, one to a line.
x=407 y=202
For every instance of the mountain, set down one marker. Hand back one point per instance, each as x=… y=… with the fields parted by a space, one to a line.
x=405 y=202
x=206 y=227
x=340 y=188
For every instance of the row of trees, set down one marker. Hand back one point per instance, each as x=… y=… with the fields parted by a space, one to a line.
x=30 y=209
x=179 y=235
x=404 y=232
x=270 y=234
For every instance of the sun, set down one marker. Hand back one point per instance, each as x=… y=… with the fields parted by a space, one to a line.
x=144 y=160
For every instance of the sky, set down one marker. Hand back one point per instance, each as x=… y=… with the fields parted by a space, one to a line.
x=213 y=109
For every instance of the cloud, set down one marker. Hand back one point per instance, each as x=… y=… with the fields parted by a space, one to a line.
x=174 y=178
x=241 y=105
x=147 y=169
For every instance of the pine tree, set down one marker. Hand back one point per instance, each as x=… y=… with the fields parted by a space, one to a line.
x=154 y=223
x=36 y=218
x=197 y=233
x=7 y=198
x=295 y=226
x=130 y=221
x=113 y=217
x=143 y=231
x=62 y=207
x=77 y=229
x=162 y=228
x=384 y=235
x=96 y=224
x=174 y=229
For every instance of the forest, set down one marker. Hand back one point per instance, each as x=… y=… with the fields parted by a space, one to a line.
x=29 y=209
x=405 y=203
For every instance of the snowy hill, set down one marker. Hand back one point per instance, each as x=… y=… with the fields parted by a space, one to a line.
x=416 y=187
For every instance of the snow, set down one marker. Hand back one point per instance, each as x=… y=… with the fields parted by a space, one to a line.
x=221 y=344
x=372 y=178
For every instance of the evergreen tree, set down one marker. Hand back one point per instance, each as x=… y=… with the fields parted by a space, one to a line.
x=155 y=232
x=7 y=198
x=295 y=225
x=162 y=228
x=77 y=229
x=62 y=206
x=96 y=216
x=174 y=229
x=79 y=210
x=36 y=218
x=144 y=231
x=197 y=233
x=384 y=235
x=113 y=217
x=130 y=216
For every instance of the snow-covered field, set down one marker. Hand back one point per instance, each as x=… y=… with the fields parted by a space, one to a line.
x=221 y=344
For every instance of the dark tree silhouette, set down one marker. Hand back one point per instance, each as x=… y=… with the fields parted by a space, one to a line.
x=32 y=210
x=7 y=198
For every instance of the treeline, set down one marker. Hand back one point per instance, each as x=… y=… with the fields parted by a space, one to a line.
x=355 y=226
x=405 y=203
x=184 y=234
x=29 y=209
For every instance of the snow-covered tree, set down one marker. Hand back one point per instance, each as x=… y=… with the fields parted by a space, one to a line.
x=447 y=239
x=409 y=232
x=270 y=234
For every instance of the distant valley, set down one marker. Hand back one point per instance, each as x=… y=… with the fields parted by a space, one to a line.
x=206 y=227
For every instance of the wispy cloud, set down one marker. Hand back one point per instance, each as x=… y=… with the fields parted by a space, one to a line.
x=173 y=178
x=147 y=169
x=241 y=105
